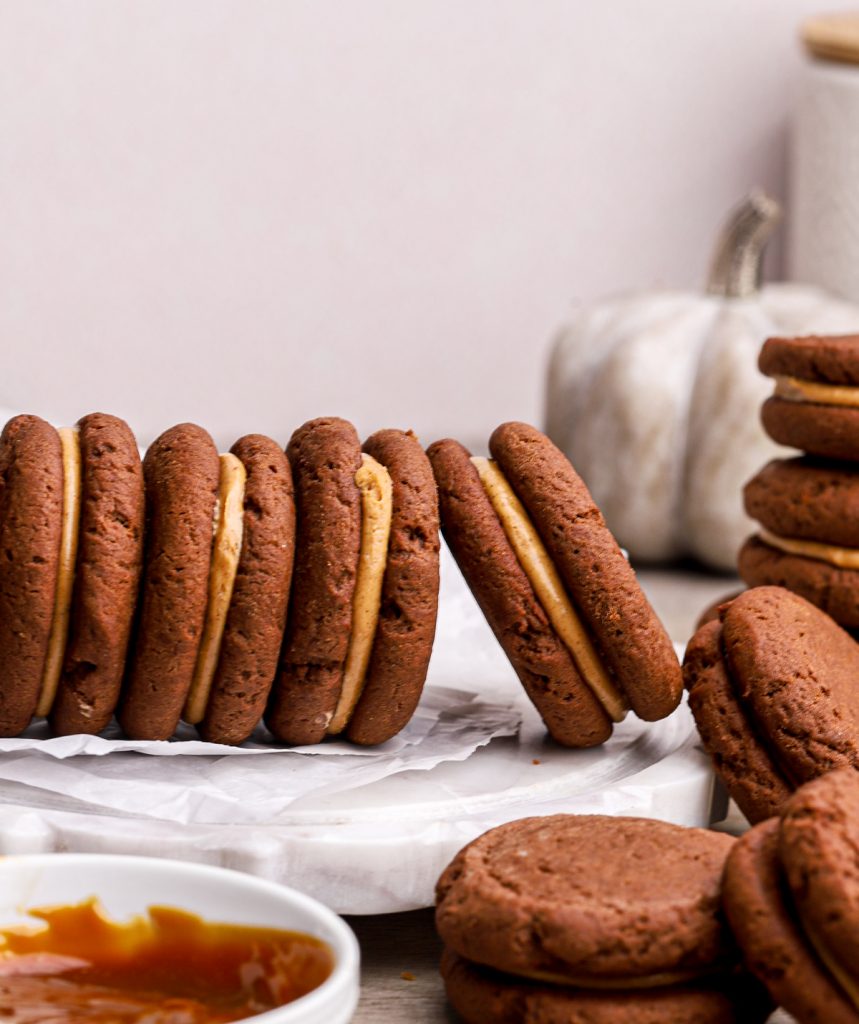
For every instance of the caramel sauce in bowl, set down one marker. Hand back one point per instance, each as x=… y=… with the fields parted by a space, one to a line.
x=103 y=939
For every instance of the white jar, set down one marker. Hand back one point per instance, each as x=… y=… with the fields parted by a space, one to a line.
x=824 y=170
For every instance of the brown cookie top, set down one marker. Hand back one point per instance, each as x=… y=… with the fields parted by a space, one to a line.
x=181 y=470
x=483 y=996
x=832 y=589
x=812 y=499
x=765 y=926
x=571 y=712
x=407 y=616
x=253 y=633
x=740 y=756
x=798 y=673
x=599 y=579
x=830 y=431
x=31 y=510
x=324 y=455
x=819 y=848
x=830 y=360
x=586 y=896
x=107 y=576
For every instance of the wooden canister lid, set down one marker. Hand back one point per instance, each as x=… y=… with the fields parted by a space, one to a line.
x=833 y=37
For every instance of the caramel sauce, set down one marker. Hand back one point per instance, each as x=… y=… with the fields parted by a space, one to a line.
x=168 y=967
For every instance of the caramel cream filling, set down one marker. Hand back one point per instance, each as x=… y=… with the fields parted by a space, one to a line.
x=843 y=558
x=796 y=390
x=543 y=576
x=846 y=981
x=663 y=978
x=374 y=483
x=71 y=451
x=227 y=546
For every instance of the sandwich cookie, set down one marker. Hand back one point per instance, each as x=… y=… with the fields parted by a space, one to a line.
x=774 y=688
x=104 y=481
x=815 y=406
x=790 y=893
x=31 y=530
x=588 y=918
x=808 y=539
x=556 y=589
x=248 y=593
x=363 y=607
x=182 y=473
x=483 y=996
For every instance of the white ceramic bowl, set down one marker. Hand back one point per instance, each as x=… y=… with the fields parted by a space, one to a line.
x=128 y=885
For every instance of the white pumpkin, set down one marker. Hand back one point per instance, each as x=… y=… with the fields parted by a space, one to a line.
x=655 y=397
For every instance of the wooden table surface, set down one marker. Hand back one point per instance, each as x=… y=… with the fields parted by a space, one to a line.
x=400 y=952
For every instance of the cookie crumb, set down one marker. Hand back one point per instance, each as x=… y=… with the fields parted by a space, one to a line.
x=407 y=976
x=536 y=761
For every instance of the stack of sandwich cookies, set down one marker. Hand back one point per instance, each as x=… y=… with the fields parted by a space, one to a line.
x=557 y=591
x=365 y=592
x=64 y=623
x=815 y=406
x=585 y=920
x=791 y=893
x=212 y=522
x=808 y=537
x=774 y=688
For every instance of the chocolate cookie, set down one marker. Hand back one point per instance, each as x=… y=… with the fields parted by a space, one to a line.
x=601 y=582
x=807 y=411
x=31 y=508
x=407 y=617
x=818 y=846
x=325 y=455
x=107 y=576
x=589 y=899
x=832 y=589
x=774 y=947
x=483 y=996
x=252 y=637
x=740 y=756
x=181 y=471
x=544 y=665
x=712 y=611
x=774 y=695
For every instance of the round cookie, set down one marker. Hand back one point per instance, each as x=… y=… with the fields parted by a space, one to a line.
x=181 y=471
x=831 y=359
x=818 y=847
x=600 y=581
x=107 y=576
x=324 y=455
x=806 y=498
x=31 y=509
x=588 y=898
x=571 y=712
x=830 y=431
x=740 y=757
x=798 y=674
x=248 y=658
x=832 y=589
x=407 y=617
x=482 y=996
x=774 y=948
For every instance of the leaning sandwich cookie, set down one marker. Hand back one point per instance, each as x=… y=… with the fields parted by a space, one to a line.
x=555 y=587
x=365 y=589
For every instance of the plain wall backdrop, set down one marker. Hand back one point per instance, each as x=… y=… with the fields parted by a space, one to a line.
x=248 y=213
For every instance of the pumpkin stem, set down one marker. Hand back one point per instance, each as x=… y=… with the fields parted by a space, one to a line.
x=735 y=271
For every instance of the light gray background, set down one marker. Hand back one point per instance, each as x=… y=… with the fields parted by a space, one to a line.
x=249 y=213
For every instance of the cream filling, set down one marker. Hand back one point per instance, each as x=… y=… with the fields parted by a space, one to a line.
x=795 y=390
x=843 y=558
x=658 y=980
x=226 y=550
x=847 y=982
x=543 y=576
x=71 y=451
x=374 y=483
